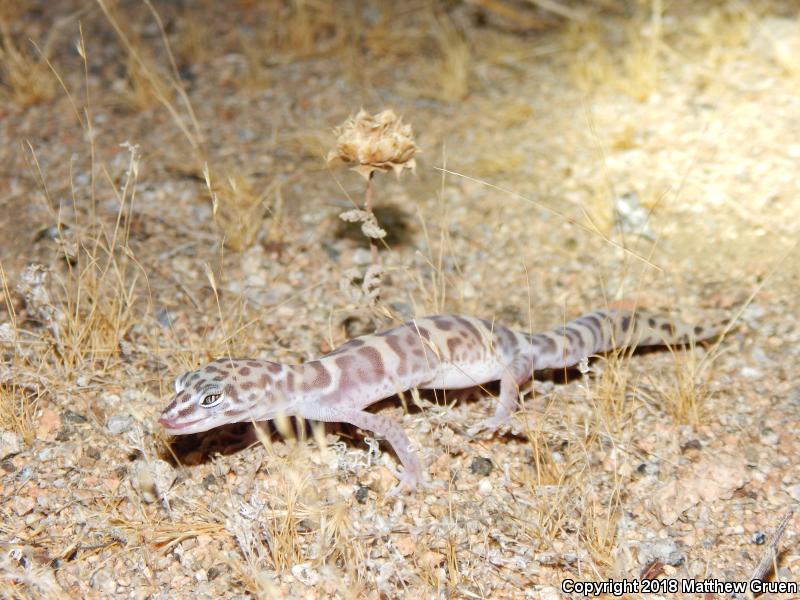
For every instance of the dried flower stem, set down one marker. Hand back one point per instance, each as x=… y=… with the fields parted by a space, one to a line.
x=373 y=246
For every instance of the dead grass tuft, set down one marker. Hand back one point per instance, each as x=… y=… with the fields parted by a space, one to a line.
x=147 y=80
x=238 y=208
x=625 y=58
x=17 y=409
x=25 y=78
x=612 y=394
x=456 y=61
x=310 y=28
x=88 y=309
x=598 y=525
x=685 y=391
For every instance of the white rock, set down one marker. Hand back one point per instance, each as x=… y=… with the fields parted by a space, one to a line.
x=152 y=479
x=9 y=444
x=794 y=491
x=305 y=574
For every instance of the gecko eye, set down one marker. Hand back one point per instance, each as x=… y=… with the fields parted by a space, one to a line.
x=210 y=400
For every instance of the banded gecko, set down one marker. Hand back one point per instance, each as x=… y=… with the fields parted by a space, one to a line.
x=438 y=352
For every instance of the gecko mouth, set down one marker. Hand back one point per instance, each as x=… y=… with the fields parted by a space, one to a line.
x=175 y=426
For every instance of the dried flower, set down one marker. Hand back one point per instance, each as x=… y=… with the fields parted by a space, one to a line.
x=375 y=143
x=369 y=224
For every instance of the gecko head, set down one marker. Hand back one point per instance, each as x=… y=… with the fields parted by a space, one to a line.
x=224 y=391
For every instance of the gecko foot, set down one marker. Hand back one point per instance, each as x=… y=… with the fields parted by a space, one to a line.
x=488 y=425
x=409 y=481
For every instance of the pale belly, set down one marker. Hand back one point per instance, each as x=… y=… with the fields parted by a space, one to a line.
x=458 y=376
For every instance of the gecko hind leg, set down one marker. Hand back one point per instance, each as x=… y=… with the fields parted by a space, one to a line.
x=392 y=431
x=519 y=371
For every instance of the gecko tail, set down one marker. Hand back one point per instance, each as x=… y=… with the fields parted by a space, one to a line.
x=641 y=328
x=605 y=330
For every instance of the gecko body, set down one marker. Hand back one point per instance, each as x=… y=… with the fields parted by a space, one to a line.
x=437 y=352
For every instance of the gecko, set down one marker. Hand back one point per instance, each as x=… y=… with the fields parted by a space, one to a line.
x=436 y=352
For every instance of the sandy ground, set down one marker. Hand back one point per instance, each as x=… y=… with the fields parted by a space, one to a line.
x=645 y=156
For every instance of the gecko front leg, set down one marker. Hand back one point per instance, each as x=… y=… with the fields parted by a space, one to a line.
x=412 y=474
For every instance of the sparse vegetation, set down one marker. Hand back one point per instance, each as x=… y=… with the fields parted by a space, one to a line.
x=169 y=203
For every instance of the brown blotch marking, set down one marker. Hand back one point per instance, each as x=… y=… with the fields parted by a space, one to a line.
x=322 y=378
x=376 y=370
x=585 y=336
x=549 y=344
x=344 y=364
x=171 y=406
x=470 y=328
x=254 y=364
x=274 y=368
x=508 y=338
x=423 y=333
x=290 y=381
x=651 y=322
x=212 y=368
x=595 y=322
x=625 y=322
x=591 y=324
x=231 y=392
x=668 y=327
x=698 y=330
x=443 y=323
x=264 y=381
x=194 y=377
x=186 y=411
x=244 y=371
x=220 y=377
x=394 y=345
x=452 y=345
x=247 y=385
x=251 y=397
x=574 y=338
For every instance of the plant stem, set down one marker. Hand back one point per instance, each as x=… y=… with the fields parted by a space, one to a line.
x=368 y=207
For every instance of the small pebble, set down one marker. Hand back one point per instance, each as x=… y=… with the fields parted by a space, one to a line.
x=794 y=491
x=305 y=574
x=769 y=437
x=9 y=444
x=362 y=493
x=73 y=417
x=664 y=551
x=481 y=466
x=118 y=424
x=758 y=538
x=750 y=373
x=152 y=478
